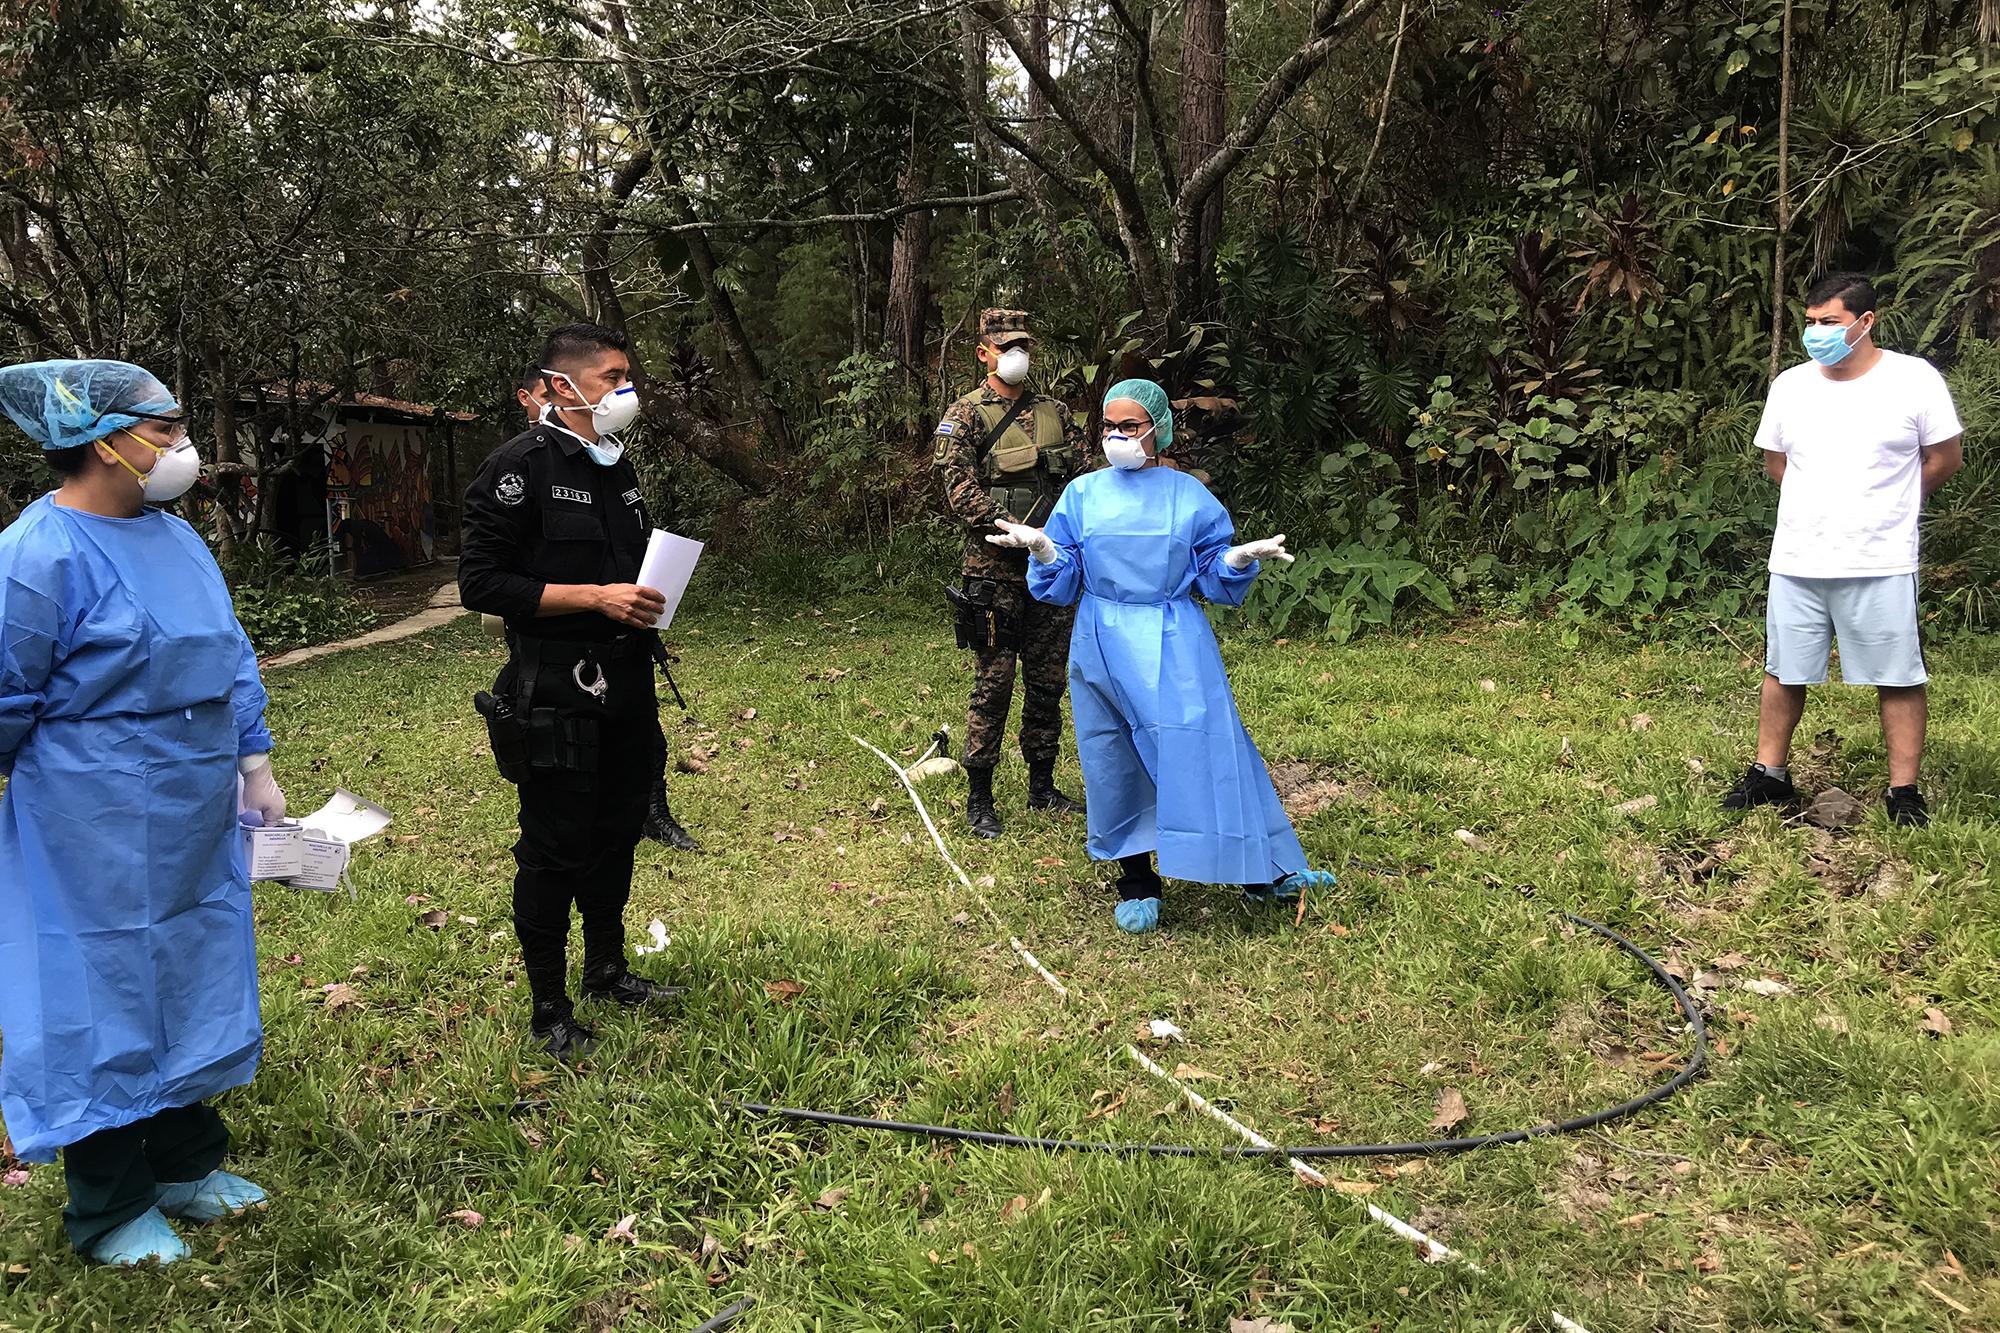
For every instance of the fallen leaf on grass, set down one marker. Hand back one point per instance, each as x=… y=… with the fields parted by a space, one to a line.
x=1835 y=809
x=747 y=715
x=1018 y=1207
x=1488 y=686
x=1834 y=1023
x=1259 y=1325
x=830 y=1200
x=435 y=920
x=625 y=1229
x=340 y=995
x=1636 y=806
x=1936 y=1023
x=1450 y=1110
x=1108 y=1108
x=1765 y=986
x=1189 y=1072
x=466 y=1218
x=1731 y=962
x=1352 y=1186
x=784 y=992
x=1338 y=931
x=1642 y=722
x=1470 y=839
x=1048 y=862
x=1962 y=1309
x=1637 y=1219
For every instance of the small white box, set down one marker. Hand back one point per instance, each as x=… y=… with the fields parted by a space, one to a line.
x=322 y=862
x=276 y=852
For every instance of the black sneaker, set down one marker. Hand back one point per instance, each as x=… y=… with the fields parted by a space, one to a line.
x=1759 y=788
x=627 y=988
x=555 y=1027
x=1906 y=807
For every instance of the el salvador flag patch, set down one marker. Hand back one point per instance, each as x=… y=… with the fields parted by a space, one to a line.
x=947 y=428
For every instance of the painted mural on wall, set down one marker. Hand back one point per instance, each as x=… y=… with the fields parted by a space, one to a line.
x=378 y=487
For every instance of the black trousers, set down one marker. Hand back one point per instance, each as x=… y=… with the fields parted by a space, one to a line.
x=579 y=826
x=112 y=1175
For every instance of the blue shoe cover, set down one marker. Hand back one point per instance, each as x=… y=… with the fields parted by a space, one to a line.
x=1290 y=887
x=1136 y=916
x=215 y=1196
x=147 y=1238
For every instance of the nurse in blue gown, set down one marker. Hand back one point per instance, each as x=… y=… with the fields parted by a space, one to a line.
x=132 y=739
x=1167 y=765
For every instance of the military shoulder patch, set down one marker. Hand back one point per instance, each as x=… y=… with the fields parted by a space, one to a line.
x=947 y=428
x=511 y=489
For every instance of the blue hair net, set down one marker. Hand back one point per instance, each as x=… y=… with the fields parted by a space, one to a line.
x=61 y=404
x=1154 y=399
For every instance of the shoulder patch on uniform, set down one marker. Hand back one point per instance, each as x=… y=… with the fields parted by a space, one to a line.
x=511 y=489
x=569 y=493
x=631 y=497
x=947 y=428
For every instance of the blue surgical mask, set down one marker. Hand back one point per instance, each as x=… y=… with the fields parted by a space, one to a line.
x=1827 y=343
x=605 y=452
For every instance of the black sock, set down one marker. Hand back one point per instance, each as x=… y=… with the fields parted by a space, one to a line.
x=1137 y=878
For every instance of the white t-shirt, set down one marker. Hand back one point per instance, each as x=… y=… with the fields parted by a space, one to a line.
x=1852 y=492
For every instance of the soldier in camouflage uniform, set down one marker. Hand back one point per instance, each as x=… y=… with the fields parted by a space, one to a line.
x=1016 y=474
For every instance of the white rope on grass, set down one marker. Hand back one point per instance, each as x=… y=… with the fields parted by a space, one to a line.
x=1434 y=1250
x=963 y=878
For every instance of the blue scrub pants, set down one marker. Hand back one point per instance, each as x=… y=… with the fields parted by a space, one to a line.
x=114 y=1175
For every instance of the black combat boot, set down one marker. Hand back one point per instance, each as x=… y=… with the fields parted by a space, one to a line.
x=621 y=986
x=661 y=826
x=555 y=1027
x=979 y=811
x=1042 y=792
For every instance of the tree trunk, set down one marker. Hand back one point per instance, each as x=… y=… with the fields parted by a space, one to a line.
x=1784 y=191
x=909 y=309
x=1204 y=71
x=229 y=484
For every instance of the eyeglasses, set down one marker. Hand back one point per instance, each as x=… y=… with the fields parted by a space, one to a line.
x=1127 y=427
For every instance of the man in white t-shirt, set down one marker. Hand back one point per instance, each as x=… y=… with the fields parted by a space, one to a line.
x=1857 y=438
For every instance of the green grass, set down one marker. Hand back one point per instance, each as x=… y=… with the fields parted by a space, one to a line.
x=1836 y=1169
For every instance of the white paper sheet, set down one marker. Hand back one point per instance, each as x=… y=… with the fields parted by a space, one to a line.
x=347 y=817
x=668 y=566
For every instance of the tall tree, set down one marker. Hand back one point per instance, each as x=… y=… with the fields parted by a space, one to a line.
x=1204 y=87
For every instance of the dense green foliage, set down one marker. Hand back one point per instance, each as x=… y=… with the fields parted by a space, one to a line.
x=1492 y=289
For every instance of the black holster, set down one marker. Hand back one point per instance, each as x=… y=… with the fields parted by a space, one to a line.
x=543 y=740
x=978 y=620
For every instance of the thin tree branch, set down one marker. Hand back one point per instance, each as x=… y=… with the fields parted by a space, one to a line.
x=1329 y=29
x=1007 y=195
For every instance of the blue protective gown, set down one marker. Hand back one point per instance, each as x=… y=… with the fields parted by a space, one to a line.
x=1167 y=765
x=128 y=975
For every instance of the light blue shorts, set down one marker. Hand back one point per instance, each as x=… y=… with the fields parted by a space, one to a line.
x=1876 y=619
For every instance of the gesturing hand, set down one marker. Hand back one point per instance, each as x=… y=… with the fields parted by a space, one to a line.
x=1020 y=537
x=631 y=604
x=1270 y=548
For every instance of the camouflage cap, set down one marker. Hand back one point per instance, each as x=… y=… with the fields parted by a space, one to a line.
x=1003 y=328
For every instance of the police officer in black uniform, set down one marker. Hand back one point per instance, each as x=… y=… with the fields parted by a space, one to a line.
x=554 y=532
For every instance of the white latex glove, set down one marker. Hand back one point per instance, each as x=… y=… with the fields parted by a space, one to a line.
x=1271 y=548
x=1021 y=537
x=260 y=789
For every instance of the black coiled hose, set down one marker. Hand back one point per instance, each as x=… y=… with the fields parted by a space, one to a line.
x=1422 y=1148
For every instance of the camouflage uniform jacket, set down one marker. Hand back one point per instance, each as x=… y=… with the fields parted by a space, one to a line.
x=957 y=465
